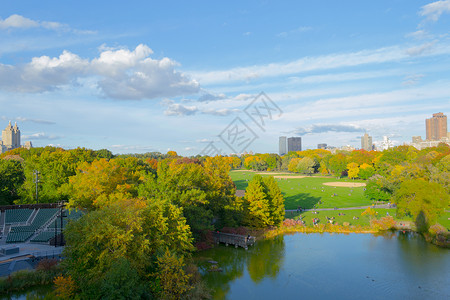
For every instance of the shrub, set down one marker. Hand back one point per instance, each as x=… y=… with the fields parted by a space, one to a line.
x=385 y=223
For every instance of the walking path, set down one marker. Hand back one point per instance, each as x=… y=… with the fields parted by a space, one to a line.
x=343 y=208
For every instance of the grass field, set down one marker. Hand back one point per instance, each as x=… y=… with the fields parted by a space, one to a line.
x=307 y=192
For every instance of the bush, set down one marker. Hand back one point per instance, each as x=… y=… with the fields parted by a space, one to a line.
x=385 y=223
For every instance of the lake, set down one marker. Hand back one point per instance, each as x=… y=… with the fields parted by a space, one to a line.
x=330 y=266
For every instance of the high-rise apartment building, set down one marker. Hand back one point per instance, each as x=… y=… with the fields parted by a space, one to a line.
x=11 y=138
x=282 y=145
x=366 y=142
x=436 y=127
x=294 y=144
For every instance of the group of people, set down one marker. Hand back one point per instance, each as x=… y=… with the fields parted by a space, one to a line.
x=316 y=221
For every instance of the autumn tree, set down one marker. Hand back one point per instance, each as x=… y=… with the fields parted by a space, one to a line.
x=124 y=239
x=366 y=171
x=353 y=170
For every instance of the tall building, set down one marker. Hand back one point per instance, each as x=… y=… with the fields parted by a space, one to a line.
x=294 y=144
x=366 y=142
x=436 y=127
x=11 y=138
x=282 y=145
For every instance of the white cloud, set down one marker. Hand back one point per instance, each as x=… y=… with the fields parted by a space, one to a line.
x=322 y=128
x=220 y=112
x=434 y=10
x=180 y=110
x=319 y=63
x=17 y=21
x=419 y=50
x=20 y=22
x=41 y=136
x=120 y=74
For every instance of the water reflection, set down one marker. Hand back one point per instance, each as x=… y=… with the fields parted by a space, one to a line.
x=356 y=266
x=263 y=260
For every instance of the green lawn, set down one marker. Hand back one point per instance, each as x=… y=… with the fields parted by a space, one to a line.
x=347 y=217
x=307 y=192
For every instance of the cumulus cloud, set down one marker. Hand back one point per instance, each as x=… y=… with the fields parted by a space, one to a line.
x=322 y=128
x=20 y=22
x=120 y=74
x=434 y=10
x=40 y=136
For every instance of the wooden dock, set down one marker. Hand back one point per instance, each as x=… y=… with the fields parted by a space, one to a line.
x=234 y=239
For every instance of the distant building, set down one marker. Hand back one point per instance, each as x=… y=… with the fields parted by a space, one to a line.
x=436 y=127
x=366 y=142
x=417 y=139
x=282 y=146
x=11 y=138
x=322 y=146
x=294 y=144
x=385 y=144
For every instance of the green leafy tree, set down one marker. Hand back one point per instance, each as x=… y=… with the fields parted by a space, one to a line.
x=366 y=171
x=135 y=230
x=306 y=165
x=256 y=204
x=337 y=164
x=378 y=188
x=11 y=179
x=424 y=201
x=276 y=201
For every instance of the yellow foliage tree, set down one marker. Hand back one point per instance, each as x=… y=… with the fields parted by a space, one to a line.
x=353 y=170
x=65 y=287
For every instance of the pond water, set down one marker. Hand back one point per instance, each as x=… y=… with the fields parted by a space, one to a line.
x=330 y=266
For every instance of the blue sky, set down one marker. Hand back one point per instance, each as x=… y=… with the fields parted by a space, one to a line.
x=141 y=76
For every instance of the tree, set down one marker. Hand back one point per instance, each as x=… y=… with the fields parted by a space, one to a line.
x=276 y=201
x=256 y=204
x=11 y=179
x=126 y=236
x=378 y=188
x=306 y=165
x=337 y=164
x=366 y=171
x=424 y=201
x=353 y=170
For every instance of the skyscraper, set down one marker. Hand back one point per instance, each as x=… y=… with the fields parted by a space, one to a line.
x=366 y=142
x=436 y=127
x=11 y=138
x=282 y=145
x=294 y=144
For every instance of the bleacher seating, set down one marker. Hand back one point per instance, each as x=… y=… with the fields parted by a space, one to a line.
x=17 y=215
x=43 y=237
x=18 y=237
x=19 y=234
x=73 y=215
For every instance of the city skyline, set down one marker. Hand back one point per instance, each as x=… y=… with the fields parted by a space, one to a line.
x=174 y=76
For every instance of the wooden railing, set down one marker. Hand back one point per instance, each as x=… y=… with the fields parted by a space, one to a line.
x=234 y=239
